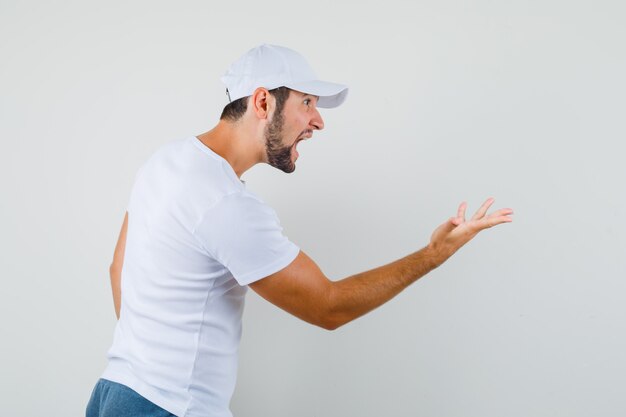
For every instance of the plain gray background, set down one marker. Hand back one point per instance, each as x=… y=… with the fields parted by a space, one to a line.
x=449 y=101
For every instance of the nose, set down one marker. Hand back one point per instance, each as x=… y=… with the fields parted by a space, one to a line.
x=317 y=123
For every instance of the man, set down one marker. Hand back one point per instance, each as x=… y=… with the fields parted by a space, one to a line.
x=194 y=238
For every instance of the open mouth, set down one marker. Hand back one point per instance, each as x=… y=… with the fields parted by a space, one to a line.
x=295 y=145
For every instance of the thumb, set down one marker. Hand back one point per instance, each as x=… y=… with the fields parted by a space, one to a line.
x=451 y=224
x=442 y=231
x=455 y=221
x=440 y=234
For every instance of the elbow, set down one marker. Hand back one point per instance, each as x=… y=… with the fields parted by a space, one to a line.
x=333 y=320
x=115 y=270
x=333 y=326
x=322 y=321
x=329 y=325
x=331 y=317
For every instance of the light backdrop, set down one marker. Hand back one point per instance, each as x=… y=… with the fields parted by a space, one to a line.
x=449 y=101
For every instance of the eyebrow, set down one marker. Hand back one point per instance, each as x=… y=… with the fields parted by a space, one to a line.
x=311 y=95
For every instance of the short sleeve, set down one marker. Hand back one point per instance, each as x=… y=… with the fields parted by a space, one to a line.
x=244 y=234
x=133 y=189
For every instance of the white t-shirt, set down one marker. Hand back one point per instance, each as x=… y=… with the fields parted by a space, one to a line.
x=196 y=237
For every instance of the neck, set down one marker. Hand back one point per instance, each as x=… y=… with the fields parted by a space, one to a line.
x=237 y=143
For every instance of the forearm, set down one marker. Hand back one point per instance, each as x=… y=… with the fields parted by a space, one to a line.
x=116 y=267
x=116 y=287
x=357 y=295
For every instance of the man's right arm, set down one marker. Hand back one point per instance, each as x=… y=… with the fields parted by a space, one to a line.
x=115 y=270
x=304 y=291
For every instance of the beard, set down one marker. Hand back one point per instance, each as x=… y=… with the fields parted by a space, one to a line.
x=278 y=155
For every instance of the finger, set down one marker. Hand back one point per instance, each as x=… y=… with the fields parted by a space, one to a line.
x=483 y=209
x=501 y=212
x=461 y=211
x=494 y=221
x=447 y=227
x=453 y=222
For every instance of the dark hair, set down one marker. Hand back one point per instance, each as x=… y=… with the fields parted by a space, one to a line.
x=236 y=109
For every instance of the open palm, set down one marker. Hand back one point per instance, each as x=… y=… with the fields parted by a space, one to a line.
x=457 y=231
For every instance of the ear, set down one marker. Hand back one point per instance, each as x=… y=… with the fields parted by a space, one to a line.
x=260 y=102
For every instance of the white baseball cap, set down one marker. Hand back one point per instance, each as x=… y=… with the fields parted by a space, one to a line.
x=272 y=66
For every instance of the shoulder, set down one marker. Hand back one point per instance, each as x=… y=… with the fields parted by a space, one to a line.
x=243 y=206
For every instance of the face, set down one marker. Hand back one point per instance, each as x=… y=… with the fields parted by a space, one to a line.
x=297 y=121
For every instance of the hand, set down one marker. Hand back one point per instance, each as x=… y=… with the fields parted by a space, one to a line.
x=456 y=232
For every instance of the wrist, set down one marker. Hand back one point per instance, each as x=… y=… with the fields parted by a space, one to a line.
x=435 y=254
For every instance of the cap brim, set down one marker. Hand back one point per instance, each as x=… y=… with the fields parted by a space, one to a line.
x=330 y=94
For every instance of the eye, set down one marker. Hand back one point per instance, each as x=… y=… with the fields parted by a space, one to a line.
x=307 y=101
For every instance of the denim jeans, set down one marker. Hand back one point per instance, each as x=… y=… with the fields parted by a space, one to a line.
x=110 y=399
